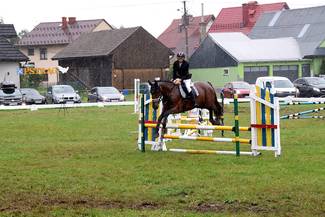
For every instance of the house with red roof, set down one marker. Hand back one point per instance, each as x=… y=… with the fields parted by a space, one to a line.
x=49 y=38
x=174 y=36
x=243 y=18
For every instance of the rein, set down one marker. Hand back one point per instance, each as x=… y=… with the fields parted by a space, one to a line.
x=160 y=98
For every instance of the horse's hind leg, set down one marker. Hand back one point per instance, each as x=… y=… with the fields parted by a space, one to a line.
x=218 y=118
x=211 y=119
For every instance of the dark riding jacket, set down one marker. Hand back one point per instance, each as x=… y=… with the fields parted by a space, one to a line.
x=181 y=71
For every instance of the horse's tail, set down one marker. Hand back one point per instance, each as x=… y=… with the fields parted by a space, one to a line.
x=216 y=101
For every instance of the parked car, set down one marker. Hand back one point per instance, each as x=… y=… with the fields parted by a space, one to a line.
x=14 y=98
x=9 y=94
x=241 y=88
x=62 y=94
x=32 y=96
x=283 y=86
x=105 y=94
x=310 y=86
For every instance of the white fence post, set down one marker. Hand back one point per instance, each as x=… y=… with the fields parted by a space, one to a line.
x=136 y=94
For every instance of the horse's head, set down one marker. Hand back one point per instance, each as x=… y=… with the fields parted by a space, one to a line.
x=155 y=93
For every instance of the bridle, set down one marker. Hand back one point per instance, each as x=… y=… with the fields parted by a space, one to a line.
x=160 y=98
x=157 y=100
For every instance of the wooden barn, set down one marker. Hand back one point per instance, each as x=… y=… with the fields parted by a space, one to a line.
x=114 y=58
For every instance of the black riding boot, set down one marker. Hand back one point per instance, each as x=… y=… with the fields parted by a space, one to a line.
x=191 y=97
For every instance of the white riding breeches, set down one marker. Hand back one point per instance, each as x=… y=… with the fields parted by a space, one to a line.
x=188 y=83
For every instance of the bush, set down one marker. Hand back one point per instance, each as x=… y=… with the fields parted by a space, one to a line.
x=32 y=80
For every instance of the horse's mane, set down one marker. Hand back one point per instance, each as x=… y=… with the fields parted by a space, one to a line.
x=165 y=81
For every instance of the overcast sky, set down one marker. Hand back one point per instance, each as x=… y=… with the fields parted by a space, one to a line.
x=154 y=15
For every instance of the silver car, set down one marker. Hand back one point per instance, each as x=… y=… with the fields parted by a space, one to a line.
x=105 y=94
x=32 y=96
x=12 y=98
x=62 y=94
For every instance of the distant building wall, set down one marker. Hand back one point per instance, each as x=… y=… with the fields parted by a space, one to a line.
x=220 y=75
x=124 y=78
x=217 y=76
x=46 y=63
x=317 y=63
x=89 y=72
x=102 y=26
x=322 y=44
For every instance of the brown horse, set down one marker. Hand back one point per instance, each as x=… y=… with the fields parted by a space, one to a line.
x=173 y=103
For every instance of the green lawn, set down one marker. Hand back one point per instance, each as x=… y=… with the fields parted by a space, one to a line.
x=84 y=162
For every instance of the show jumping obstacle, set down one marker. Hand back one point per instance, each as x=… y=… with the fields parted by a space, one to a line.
x=265 y=128
x=303 y=114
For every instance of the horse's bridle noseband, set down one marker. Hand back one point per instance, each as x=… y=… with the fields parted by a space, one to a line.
x=157 y=100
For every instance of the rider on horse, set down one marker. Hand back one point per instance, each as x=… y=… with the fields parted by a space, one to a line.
x=181 y=76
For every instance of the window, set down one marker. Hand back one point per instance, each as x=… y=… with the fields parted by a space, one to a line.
x=258 y=69
x=285 y=68
x=43 y=53
x=225 y=72
x=306 y=70
x=30 y=51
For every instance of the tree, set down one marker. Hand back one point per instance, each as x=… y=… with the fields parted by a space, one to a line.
x=22 y=33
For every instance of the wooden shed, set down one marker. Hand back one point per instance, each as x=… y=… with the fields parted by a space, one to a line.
x=114 y=58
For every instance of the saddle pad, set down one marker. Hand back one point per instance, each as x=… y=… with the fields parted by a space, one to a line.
x=193 y=89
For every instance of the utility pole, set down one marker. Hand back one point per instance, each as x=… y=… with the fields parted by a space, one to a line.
x=185 y=23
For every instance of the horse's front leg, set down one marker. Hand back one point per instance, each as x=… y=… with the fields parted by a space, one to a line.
x=165 y=117
x=159 y=121
x=164 y=124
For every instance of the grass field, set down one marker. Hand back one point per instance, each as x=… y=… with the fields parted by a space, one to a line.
x=84 y=162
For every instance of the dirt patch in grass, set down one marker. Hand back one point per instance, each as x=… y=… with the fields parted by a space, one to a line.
x=24 y=204
x=233 y=207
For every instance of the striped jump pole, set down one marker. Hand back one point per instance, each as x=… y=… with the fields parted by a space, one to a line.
x=208 y=139
x=143 y=145
x=305 y=117
x=302 y=103
x=222 y=118
x=193 y=151
x=236 y=125
x=197 y=127
x=293 y=116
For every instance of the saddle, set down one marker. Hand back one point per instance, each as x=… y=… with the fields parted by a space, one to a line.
x=193 y=90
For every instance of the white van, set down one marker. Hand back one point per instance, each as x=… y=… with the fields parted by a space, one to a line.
x=283 y=86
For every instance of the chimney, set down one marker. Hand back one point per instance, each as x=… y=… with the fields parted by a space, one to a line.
x=64 y=23
x=248 y=11
x=203 y=25
x=72 y=20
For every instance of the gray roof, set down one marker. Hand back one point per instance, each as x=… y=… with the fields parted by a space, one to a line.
x=50 y=33
x=306 y=25
x=7 y=31
x=100 y=43
x=8 y=52
x=244 y=49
